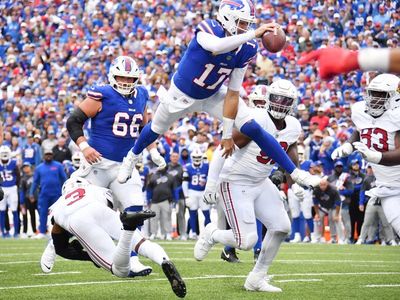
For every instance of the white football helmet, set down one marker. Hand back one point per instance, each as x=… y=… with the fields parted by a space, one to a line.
x=282 y=95
x=123 y=66
x=381 y=94
x=76 y=160
x=73 y=183
x=5 y=154
x=197 y=157
x=259 y=96
x=232 y=12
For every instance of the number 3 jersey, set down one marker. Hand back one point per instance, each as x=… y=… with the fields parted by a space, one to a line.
x=201 y=73
x=115 y=127
x=250 y=165
x=379 y=134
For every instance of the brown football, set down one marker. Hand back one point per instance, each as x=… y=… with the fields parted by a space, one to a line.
x=274 y=42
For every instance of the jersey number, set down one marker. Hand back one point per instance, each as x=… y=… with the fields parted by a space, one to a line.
x=264 y=159
x=7 y=175
x=120 y=126
x=223 y=72
x=199 y=179
x=75 y=195
x=380 y=139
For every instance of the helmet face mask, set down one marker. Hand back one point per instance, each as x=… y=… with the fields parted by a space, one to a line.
x=76 y=160
x=381 y=93
x=197 y=157
x=124 y=75
x=282 y=95
x=236 y=16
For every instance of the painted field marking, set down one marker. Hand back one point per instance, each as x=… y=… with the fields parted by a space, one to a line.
x=57 y=273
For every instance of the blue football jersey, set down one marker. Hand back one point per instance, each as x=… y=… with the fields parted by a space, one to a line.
x=115 y=128
x=197 y=176
x=200 y=73
x=9 y=173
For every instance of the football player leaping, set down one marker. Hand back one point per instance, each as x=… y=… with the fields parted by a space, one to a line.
x=220 y=50
x=117 y=112
x=82 y=211
x=247 y=193
x=377 y=139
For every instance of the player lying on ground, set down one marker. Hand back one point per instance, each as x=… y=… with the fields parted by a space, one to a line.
x=220 y=50
x=377 y=138
x=82 y=210
x=246 y=191
x=336 y=61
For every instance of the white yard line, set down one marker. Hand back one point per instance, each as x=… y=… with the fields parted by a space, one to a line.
x=308 y=261
x=382 y=285
x=206 y=277
x=20 y=253
x=57 y=273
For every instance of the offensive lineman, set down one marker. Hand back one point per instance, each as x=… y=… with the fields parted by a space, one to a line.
x=247 y=192
x=377 y=138
x=221 y=49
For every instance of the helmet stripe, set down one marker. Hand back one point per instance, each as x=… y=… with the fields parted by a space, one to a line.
x=128 y=65
x=230 y=2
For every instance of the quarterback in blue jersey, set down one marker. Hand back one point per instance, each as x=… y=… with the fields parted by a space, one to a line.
x=117 y=112
x=193 y=185
x=10 y=174
x=220 y=50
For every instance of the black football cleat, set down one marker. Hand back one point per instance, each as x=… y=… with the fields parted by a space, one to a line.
x=176 y=281
x=230 y=255
x=132 y=219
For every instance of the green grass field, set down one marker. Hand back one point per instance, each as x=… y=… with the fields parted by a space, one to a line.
x=303 y=271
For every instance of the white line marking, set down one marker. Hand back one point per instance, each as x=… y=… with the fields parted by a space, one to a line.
x=299 y=280
x=308 y=261
x=57 y=273
x=18 y=254
x=130 y=281
x=382 y=285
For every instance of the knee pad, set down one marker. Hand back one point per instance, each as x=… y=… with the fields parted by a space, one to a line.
x=120 y=271
x=248 y=241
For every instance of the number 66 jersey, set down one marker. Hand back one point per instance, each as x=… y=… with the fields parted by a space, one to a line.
x=250 y=165
x=379 y=134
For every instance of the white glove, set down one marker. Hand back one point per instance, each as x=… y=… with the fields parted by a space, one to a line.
x=345 y=150
x=157 y=159
x=298 y=191
x=368 y=154
x=210 y=193
x=304 y=178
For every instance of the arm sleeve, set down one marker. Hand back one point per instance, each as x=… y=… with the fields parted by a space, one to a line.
x=236 y=79
x=218 y=45
x=216 y=165
x=35 y=183
x=362 y=198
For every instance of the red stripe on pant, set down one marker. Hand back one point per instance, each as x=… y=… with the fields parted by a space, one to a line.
x=231 y=214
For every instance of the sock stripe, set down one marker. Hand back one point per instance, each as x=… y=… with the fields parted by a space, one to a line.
x=139 y=244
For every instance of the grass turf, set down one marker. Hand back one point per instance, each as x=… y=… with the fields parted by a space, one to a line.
x=303 y=271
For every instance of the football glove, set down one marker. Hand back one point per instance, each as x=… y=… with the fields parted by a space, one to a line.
x=157 y=159
x=304 y=178
x=368 y=154
x=345 y=150
x=210 y=193
x=298 y=191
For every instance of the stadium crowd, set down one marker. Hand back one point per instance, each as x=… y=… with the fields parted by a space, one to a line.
x=51 y=52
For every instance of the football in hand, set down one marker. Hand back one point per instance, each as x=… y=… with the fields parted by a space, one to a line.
x=274 y=41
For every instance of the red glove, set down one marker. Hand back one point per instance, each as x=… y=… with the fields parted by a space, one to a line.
x=332 y=61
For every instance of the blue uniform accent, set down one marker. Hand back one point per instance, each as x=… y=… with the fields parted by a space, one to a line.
x=143 y=174
x=9 y=173
x=197 y=176
x=50 y=177
x=209 y=70
x=116 y=127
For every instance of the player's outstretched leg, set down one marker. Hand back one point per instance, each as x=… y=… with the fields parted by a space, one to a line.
x=176 y=281
x=48 y=257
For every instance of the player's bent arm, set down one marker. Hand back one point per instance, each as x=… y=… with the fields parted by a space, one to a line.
x=394 y=61
x=241 y=140
x=218 y=45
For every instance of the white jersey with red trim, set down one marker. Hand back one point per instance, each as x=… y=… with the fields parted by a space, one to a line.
x=379 y=134
x=75 y=199
x=250 y=165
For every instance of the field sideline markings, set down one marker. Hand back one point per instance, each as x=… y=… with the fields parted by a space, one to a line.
x=382 y=285
x=57 y=273
x=308 y=261
x=188 y=278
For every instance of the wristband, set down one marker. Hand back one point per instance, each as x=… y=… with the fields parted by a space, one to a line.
x=83 y=145
x=227 y=128
x=371 y=59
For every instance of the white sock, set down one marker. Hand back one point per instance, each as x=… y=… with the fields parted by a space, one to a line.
x=225 y=237
x=270 y=246
x=121 y=266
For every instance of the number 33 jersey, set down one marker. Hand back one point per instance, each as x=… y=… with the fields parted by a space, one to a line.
x=379 y=134
x=250 y=165
x=115 y=127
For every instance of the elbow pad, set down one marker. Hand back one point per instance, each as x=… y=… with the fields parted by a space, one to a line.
x=75 y=124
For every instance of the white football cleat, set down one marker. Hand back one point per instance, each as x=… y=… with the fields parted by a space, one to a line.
x=137 y=268
x=126 y=168
x=259 y=282
x=296 y=238
x=204 y=243
x=48 y=258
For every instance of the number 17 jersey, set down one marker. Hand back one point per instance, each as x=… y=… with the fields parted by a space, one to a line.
x=201 y=73
x=116 y=126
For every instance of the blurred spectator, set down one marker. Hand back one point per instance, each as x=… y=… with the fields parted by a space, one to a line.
x=60 y=151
